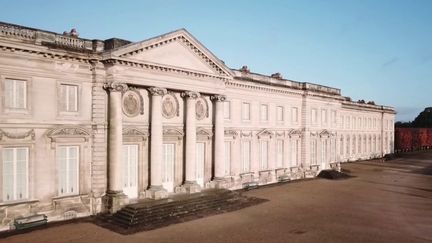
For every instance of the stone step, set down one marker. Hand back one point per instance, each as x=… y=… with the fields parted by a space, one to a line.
x=155 y=212
x=178 y=211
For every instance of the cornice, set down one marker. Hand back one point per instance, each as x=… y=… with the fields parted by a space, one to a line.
x=163 y=68
x=56 y=55
x=271 y=89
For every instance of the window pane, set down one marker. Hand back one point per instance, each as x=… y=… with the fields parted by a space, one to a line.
x=8 y=174
x=227 y=158
x=279 y=113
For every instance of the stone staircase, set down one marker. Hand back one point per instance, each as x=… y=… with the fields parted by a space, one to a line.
x=151 y=214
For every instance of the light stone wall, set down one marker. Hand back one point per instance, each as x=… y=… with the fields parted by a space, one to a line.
x=176 y=62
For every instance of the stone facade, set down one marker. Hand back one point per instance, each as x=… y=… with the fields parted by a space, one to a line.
x=88 y=126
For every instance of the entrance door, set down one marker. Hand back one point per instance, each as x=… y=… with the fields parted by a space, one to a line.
x=200 y=158
x=168 y=166
x=130 y=170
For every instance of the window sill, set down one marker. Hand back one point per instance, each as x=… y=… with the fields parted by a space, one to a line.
x=14 y=203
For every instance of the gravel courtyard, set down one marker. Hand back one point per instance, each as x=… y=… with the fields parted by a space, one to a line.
x=384 y=202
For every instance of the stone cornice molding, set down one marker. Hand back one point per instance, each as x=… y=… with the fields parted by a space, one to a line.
x=135 y=132
x=271 y=89
x=190 y=95
x=218 y=98
x=30 y=133
x=43 y=53
x=202 y=132
x=115 y=86
x=164 y=68
x=295 y=133
x=264 y=133
x=231 y=133
x=173 y=132
x=157 y=91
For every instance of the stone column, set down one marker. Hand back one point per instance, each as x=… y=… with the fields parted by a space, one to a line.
x=156 y=190
x=115 y=198
x=219 y=141
x=191 y=185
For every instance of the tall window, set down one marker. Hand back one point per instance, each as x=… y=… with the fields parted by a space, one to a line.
x=314 y=116
x=279 y=113
x=294 y=115
x=264 y=154
x=227 y=157
x=324 y=116
x=246 y=159
x=264 y=113
x=15 y=173
x=348 y=143
x=341 y=146
x=68 y=162
x=68 y=98
x=279 y=153
x=15 y=94
x=314 y=151
x=227 y=110
x=246 y=111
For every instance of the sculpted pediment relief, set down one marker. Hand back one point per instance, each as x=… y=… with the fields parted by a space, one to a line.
x=17 y=135
x=295 y=133
x=68 y=132
x=178 y=49
x=264 y=133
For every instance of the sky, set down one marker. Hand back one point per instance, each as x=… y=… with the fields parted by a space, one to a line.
x=379 y=50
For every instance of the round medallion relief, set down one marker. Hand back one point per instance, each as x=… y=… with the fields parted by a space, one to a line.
x=131 y=103
x=200 y=109
x=169 y=106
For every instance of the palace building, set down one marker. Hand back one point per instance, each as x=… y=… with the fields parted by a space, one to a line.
x=88 y=126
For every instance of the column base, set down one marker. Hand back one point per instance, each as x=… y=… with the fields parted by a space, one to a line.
x=191 y=187
x=156 y=192
x=114 y=201
x=221 y=183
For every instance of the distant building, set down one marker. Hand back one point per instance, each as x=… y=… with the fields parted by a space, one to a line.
x=88 y=125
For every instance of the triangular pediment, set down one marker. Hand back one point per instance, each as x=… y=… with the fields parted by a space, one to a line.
x=178 y=49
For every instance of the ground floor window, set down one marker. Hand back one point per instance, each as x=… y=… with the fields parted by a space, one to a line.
x=15 y=173
x=68 y=162
x=314 y=151
x=264 y=155
x=246 y=159
x=279 y=153
x=227 y=157
x=130 y=170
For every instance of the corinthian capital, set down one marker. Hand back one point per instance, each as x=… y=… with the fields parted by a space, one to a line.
x=218 y=98
x=190 y=94
x=115 y=86
x=155 y=91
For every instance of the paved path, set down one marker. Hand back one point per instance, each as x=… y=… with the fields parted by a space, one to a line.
x=385 y=202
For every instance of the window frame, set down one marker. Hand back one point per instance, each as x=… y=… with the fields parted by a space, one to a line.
x=28 y=96
x=78 y=170
x=61 y=99
x=27 y=179
x=243 y=109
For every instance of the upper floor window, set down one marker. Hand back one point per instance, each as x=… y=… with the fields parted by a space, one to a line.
x=279 y=113
x=246 y=111
x=68 y=98
x=227 y=110
x=264 y=113
x=294 y=114
x=314 y=116
x=15 y=94
x=324 y=116
x=15 y=173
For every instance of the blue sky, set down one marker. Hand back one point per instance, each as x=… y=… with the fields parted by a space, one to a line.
x=377 y=50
